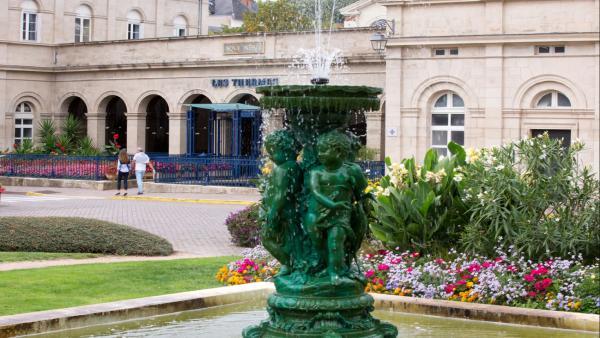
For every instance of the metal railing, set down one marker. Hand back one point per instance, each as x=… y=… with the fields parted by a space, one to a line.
x=207 y=170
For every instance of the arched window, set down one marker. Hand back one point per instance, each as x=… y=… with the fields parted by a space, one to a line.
x=23 y=122
x=29 y=21
x=83 y=21
x=447 y=122
x=553 y=99
x=179 y=26
x=134 y=25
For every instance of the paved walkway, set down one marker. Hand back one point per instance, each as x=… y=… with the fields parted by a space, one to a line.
x=193 y=223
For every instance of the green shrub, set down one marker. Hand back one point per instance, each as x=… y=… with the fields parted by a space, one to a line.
x=419 y=208
x=244 y=226
x=532 y=195
x=65 y=234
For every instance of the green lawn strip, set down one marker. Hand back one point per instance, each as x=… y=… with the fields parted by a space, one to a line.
x=6 y=257
x=66 y=286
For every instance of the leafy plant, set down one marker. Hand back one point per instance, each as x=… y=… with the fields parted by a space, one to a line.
x=276 y=16
x=72 y=131
x=366 y=154
x=244 y=226
x=25 y=147
x=420 y=207
x=86 y=147
x=47 y=135
x=533 y=195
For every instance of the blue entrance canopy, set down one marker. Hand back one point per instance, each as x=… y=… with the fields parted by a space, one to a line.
x=224 y=107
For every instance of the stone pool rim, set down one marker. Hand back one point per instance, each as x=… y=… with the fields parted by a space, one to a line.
x=104 y=313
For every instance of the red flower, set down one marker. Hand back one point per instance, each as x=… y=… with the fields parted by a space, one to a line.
x=532 y=294
x=383 y=267
x=15 y=146
x=116 y=136
x=529 y=278
x=449 y=288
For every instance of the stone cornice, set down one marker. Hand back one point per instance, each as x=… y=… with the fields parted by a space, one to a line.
x=586 y=114
x=485 y=39
x=409 y=112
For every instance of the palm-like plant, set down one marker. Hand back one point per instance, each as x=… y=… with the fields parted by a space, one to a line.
x=47 y=135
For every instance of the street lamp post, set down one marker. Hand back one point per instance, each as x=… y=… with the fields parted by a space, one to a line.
x=378 y=39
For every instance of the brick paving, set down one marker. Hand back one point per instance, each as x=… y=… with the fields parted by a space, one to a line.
x=192 y=228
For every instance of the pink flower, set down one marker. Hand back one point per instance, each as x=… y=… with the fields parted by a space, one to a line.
x=461 y=282
x=498 y=259
x=383 y=267
x=532 y=294
x=529 y=278
x=512 y=268
x=382 y=252
x=410 y=269
x=449 y=288
x=546 y=282
x=539 y=286
x=439 y=261
x=415 y=254
x=369 y=273
x=396 y=260
x=487 y=264
x=474 y=267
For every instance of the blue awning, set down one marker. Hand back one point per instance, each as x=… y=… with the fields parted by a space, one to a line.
x=224 y=107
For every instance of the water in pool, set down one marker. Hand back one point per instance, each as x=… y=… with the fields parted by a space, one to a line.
x=228 y=321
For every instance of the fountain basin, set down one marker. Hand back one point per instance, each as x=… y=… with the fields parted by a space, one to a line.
x=225 y=302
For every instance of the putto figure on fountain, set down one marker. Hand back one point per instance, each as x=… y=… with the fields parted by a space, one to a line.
x=280 y=215
x=334 y=188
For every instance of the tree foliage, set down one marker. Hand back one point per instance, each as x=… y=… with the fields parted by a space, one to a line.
x=276 y=16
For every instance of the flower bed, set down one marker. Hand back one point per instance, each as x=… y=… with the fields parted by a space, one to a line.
x=554 y=284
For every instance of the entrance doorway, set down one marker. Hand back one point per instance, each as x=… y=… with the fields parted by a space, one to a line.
x=116 y=121
x=157 y=126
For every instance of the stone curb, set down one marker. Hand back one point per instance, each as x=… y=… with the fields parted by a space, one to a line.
x=186 y=200
x=90 y=315
x=111 y=185
x=491 y=313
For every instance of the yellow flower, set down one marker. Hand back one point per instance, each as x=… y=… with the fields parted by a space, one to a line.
x=475 y=279
x=469 y=285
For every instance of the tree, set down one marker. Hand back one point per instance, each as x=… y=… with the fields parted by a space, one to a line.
x=276 y=16
x=308 y=8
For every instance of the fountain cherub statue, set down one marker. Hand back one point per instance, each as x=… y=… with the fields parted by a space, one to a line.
x=333 y=189
x=279 y=202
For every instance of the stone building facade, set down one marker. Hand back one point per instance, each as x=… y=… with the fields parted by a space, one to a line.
x=480 y=72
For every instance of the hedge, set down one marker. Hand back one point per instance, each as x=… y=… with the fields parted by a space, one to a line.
x=74 y=234
x=244 y=226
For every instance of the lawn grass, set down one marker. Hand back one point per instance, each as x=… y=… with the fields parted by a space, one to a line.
x=67 y=286
x=6 y=257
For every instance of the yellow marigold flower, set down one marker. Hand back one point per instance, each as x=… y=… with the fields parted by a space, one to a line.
x=397 y=291
x=469 y=285
x=577 y=305
x=475 y=279
x=258 y=280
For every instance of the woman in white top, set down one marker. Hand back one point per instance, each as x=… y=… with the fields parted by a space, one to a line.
x=122 y=171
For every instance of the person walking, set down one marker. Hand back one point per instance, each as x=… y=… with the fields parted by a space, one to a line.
x=123 y=169
x=140 y=160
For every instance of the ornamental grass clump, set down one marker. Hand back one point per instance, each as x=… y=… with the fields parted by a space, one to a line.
x=419 y=207
x=534 y=196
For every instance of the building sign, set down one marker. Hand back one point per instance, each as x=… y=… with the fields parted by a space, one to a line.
x=243 y=48
x=253 y=82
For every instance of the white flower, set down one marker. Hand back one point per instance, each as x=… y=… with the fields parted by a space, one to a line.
x=500 y=167
x=458 y=178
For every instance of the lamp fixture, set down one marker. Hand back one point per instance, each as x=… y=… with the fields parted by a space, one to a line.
x=378 y=39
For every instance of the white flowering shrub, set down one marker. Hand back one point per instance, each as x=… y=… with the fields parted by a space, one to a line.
x=419 y=207
x=531 y=195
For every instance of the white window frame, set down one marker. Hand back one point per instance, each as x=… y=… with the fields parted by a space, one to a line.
x=449 y=110
x=177 y=31
x=25 y=24
x=553 y=101
x=130 y=31
x=81 y=37
x=20 y=115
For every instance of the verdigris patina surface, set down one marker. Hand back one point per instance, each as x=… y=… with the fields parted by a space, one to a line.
x=314 y=216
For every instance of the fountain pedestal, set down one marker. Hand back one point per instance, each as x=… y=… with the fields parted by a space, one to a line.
x=314 y=216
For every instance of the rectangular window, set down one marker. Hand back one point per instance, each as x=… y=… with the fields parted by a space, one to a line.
x=439 y=119
x=445 y=51
x=458 y=137
x=454 y=51
x=29 y=27
x=457 y=120
x=559 y=49
x=82 y=29
x=439 y=138
x=23 y=129
x=543 y=49
x=556 y=134
x=133 y=31
x=439 y=52
x=180 y=32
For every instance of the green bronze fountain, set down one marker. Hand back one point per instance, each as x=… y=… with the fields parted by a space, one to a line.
x=314 y=215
